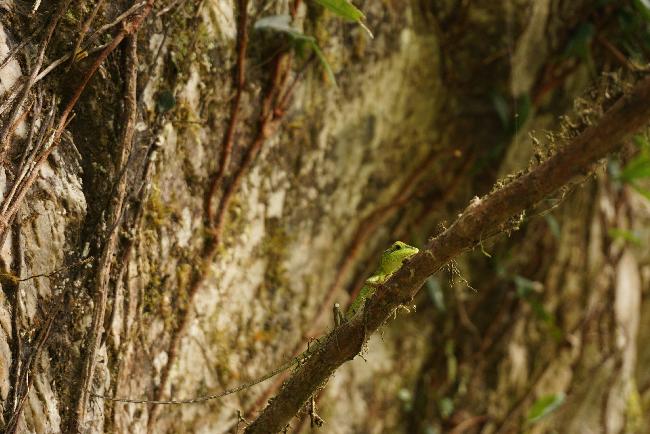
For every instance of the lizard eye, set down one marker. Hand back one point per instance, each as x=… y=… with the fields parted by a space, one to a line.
x=397 y=247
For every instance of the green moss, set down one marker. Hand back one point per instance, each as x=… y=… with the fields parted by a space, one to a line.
x=155 y=302
x=71 y=17
x=235 y=222
x=152 y=296
x=634 y=410
x=274 y=248
x=157 y=211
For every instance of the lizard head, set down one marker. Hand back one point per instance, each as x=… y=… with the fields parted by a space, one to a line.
x=393 y=257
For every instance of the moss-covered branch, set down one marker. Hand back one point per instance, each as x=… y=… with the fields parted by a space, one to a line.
x=481 y=218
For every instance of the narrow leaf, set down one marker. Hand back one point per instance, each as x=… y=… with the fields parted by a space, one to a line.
x=342 y=8
x=435 y=293
x=502 y=108
x=642 y=142
x=625 y=235
x=643 y=6
x=642 y=191
x=636 y=169
x=323 y=61
x=545 y=406
x=553 y=225
x=579 y=43
x=346 y=10
x=282 y=23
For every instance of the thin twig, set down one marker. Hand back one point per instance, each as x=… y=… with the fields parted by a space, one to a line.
x=58 y=271
x=86 y=47
x=27 y=376
x=11 y=94
x=6 y=132
x=36 y=117
x=20 y=119
x=268 y=125
x=173 y=5
x=62 y=60
x=16 y=316
x=127 y=29
x=17 y=48
x=119 y=19
x=139 y=197
x=228 y=138
x=84 y=30
x=620 y=57
x=116 y=207
x=29 y=163
x=468 y=423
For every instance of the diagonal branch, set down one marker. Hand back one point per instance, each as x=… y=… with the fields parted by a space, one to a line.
x=482 y=216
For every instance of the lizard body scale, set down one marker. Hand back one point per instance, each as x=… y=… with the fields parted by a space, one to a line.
x=391 y=260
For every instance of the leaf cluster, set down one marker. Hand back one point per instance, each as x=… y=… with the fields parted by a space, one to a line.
x=302 y=42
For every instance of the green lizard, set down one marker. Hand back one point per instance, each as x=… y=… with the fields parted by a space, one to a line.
x=391 y=261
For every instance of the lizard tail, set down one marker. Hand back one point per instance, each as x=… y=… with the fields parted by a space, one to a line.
x=204 y=398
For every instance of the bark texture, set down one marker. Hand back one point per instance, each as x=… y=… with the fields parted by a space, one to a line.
x=116 y=257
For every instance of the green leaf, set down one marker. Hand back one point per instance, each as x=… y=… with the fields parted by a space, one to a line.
x=342 y=8
x=526 y=290
x=406 y=397
x=446 y=406
x=580 y=42
x=523 y=108
x=638 y=168
x=643 y=6
x=642 y=191
x=323 y=62
x=452 y=361
x=165 y=101
x=625 y=235
x=553 y=225
x=346 y=10
x=512 y=112
x=435 y=293
x=614 y=169
x=642 y=142
x=282 y=24
x=545 y=406
x=502 y=108
x=525 y=287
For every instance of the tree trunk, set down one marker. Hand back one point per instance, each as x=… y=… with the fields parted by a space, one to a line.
x=212 y=193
